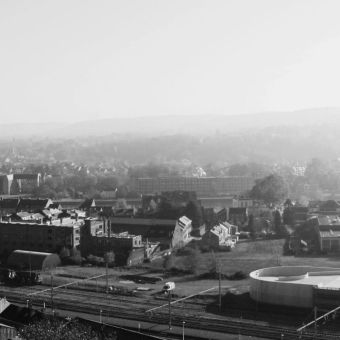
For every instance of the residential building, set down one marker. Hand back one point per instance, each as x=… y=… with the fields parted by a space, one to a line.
x=328 y=231
x=238 y=216
x=220 y=236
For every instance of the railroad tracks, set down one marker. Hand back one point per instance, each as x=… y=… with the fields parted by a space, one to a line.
x=132 y=309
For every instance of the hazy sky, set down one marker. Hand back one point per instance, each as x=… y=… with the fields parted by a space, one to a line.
x=81 y=59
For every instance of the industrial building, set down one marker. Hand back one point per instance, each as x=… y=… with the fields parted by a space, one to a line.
x=203 y=186
x=297 y=286
x=97 y=239
x=169 y=233
x=39 y=236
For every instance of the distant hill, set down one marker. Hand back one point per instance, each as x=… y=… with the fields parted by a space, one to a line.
x=262 y=137
x=185 y=124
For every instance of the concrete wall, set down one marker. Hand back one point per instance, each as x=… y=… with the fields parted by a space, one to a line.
x=281 y=292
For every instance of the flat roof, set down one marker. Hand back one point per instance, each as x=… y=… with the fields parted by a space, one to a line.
x=57 y=224
x=322 y=279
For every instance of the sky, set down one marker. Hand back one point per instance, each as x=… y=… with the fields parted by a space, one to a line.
x=73 y=60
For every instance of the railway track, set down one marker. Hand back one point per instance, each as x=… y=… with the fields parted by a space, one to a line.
x=102 y=298
x=83 y=303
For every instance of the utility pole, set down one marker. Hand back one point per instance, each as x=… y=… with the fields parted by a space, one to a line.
x=219 y=287
x=52 y=304
x=169 y=296
x=315 y=321
x=107 y=277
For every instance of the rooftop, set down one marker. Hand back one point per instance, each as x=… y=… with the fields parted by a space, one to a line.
x=313 y=276
x=55 y=224
x=141 y=221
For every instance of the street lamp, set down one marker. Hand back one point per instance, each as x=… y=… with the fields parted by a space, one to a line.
x=183 y=323
x=100 y=316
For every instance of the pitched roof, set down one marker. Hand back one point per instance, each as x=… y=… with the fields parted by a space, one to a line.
x=88 y=203
x=219 y=229
x=21 y=315
x=35 y=204
x=23 y=214
x=329 y=205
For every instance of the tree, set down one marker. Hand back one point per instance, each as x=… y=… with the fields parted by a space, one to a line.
x=271 y=189
x=193 y=211
x=288 y=216
x=277 y=221
x=251 y=227
x=64 y=253
x=57 y=330
x=109 y=258
x=75 y=257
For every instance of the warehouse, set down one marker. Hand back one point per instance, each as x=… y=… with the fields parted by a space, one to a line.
x=32 y=260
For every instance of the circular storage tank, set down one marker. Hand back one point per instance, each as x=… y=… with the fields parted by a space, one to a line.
x=292 y=286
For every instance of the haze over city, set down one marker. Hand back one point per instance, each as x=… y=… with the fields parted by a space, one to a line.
x=72 y=61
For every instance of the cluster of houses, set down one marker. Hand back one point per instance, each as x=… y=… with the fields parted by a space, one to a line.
x=95 y=227
x=315 y=228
